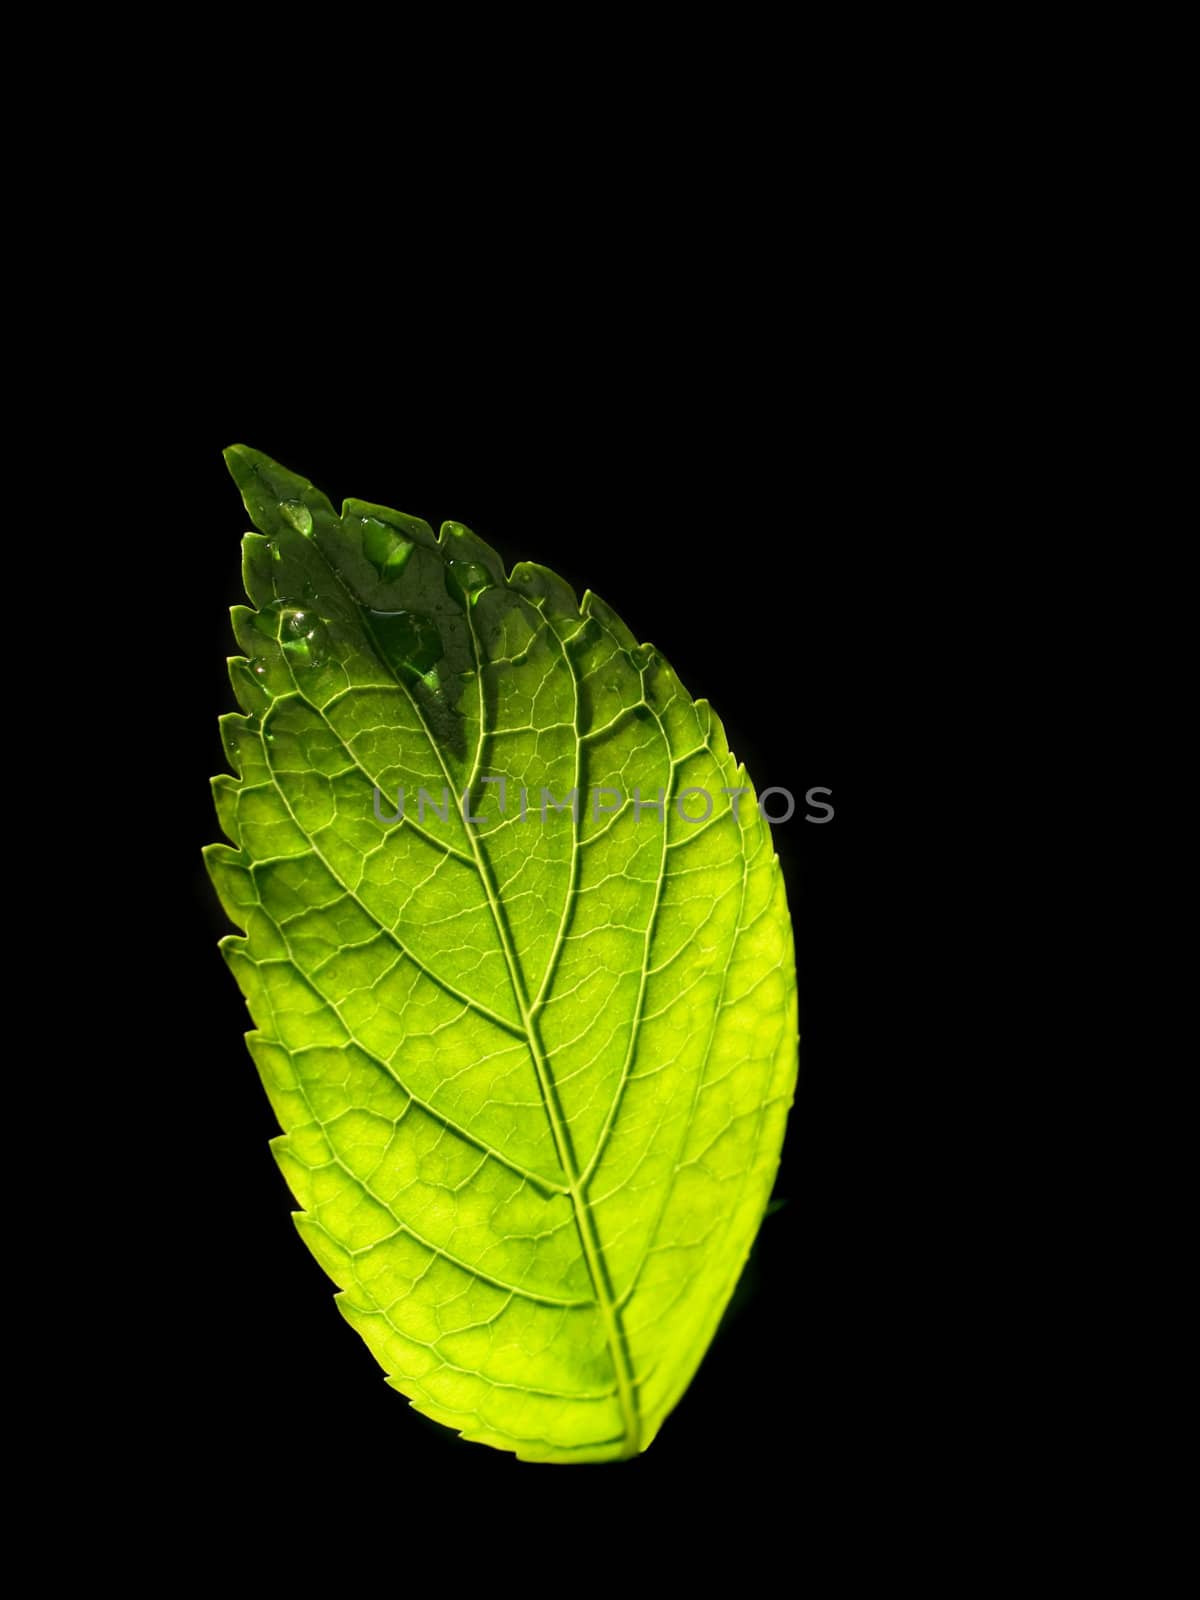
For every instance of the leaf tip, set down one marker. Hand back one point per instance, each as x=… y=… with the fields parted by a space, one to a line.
x=241 y=462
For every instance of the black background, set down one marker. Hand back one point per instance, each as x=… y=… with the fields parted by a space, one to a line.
x=752 y=541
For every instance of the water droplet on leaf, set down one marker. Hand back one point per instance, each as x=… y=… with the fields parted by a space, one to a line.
x=298 y=514
x=304 y=637
x=408 y=641
x=466 y=580
x=386 y=550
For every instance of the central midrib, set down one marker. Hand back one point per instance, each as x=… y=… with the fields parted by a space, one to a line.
x=584 y=1221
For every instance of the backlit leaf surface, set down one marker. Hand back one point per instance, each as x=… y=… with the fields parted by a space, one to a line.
x=534 y=1070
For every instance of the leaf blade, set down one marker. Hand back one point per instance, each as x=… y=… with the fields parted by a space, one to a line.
x=533 y=1073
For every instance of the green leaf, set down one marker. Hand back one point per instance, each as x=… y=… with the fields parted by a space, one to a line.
x=533 y=1071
